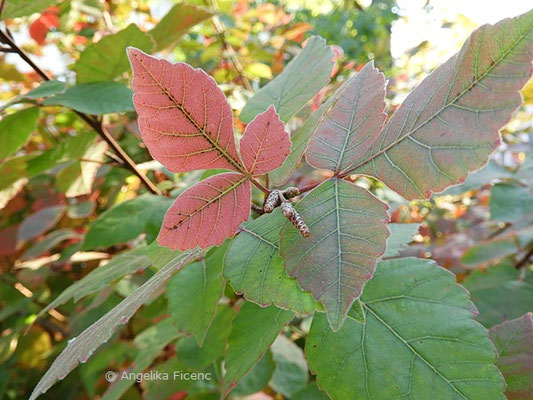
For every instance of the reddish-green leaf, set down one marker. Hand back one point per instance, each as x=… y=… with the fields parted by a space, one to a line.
x=265 y=144
x=449 y=124
x=207 y=213
x=353 y=120
x=184 y=118
x=514 y=342
x=348 y=235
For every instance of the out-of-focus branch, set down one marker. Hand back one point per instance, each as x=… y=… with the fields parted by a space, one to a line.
x=90 y=120
x=221 y=29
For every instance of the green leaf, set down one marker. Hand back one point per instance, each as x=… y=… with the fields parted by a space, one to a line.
x=449 y=124
x=348 y=234
x=356 y=312
x=126 y=221
x=49 y=242
x=257 y=378
x=39 y=222
x=254 y=329
x=291 y=373
x=514 y=342
x=150 y=343
x=400 y=237
x=193 y=294
x=21 y=8
x=175 y=23
x=122 y=264
x=500 y=294
x=15 y=129
x=80 y=210
x=107 y=59
x=214 y=343
x=158 y=389
x=80 y=349
x=489 y=250
x=77 y=178
x=253 y=267
x=419 y=341
x=45 y=89
x=13 y=170
x=510 y=203
x=70 y=149
x=310 y=392
x=95 y=98
x=300 y=80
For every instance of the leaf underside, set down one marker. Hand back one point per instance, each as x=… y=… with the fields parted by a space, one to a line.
x=265 y=144
x=353 y=120
x=184 y=118
x=207 y=213
x=449 y=124
x=348 y=235
x=419 y=341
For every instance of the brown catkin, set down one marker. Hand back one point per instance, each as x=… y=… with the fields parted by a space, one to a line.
x=290 y=192
x=272 y=201
x=255 y=208
x=292 y=215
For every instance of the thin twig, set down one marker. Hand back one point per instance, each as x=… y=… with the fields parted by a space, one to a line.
x=221 y=29
x=524 y=260
x=2 y=7
x=92 y=121
x=7 y=50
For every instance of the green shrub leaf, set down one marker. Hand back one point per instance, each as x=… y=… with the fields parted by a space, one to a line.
x=419 y=341
x=107 y=59
x=254 y=329
x=95 y=98
x=126 y=221
x=15 y=129
x=194 y=292
x=500 y=293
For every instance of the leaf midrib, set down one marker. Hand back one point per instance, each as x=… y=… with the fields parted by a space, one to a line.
x=189 y=117
x=436 y=114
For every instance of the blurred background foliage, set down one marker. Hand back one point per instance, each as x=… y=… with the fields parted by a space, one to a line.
x=58 y=181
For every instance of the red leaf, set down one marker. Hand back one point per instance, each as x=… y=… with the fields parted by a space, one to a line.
x=207 y=213
x=265 y=144
x=184 y=118
x=40 y=27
